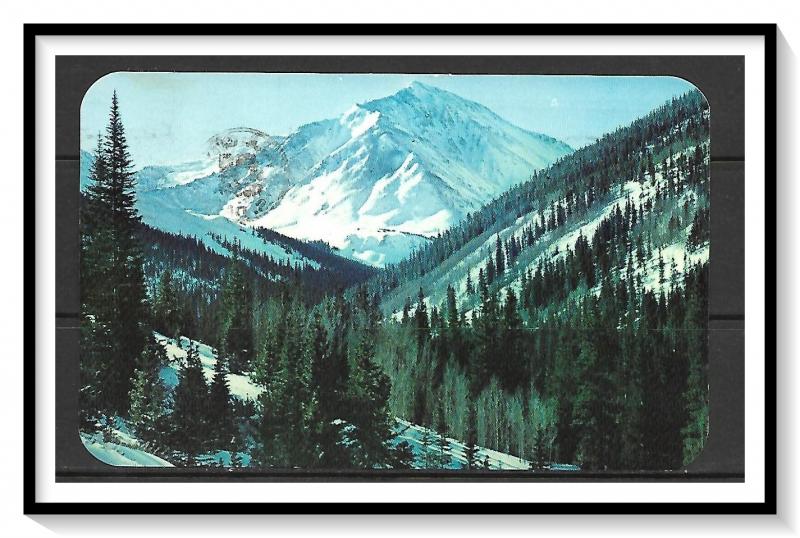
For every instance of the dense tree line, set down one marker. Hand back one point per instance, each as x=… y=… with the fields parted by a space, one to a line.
x=595 y=354
x=615 y=380
x=325 y=402
x=580 y=178
x=189 y=284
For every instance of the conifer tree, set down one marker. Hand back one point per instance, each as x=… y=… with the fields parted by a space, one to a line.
x=236 y=332
x=491 y=270
x=295 y=394
x=167 y=312
x=97 y=345
x=328 y=383
x=452 y=308
x=421 y=321
x=406 y=310
x=443 y=447
x=483 y=288
x=96 y=350
x=425 y=441
x=511 y=366
x=189 y=416
x=147 y=414
x=487 y=333
x=220 y=414
x=95 y=234
x=370 y=389
x=695 y=396
x=500 y=262
x=114 y=291
x=469 y=286
x=590 y=415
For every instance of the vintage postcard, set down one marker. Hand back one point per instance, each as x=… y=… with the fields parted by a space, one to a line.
x=382 y=272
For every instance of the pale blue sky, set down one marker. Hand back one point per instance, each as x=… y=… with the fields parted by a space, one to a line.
x=169 y=116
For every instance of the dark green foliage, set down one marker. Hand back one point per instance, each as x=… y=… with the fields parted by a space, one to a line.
x=190 y=413
x=613 y=371
x=329 y=372
x=403 y=456
x=325 y=403
x=113 y=301
x=222 y=428
x=427 y=454
x=236 y=318
x=421 y=321
x=499 y=256
x=167 y=314
x=511 y=365
x=701 y=229
x=147 y=414
x=96 y=350
x=369 y=395
x=469 y=286
x=695 y=396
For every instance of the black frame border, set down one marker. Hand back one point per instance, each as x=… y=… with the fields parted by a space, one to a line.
x=31 y=31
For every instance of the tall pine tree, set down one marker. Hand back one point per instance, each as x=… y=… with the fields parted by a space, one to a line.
x=190 y=413
x=115 y=313
x=148 y=415
x=222 y=428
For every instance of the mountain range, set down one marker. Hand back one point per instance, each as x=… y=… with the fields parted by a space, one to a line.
x=375 y=183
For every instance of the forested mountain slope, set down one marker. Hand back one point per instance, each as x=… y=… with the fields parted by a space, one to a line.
x=634 y=165
x=586 y=284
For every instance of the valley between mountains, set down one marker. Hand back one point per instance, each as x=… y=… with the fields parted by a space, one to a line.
x=415 y=284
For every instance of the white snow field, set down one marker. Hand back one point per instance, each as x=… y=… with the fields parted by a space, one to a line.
x=114 y=444
x=120 y=455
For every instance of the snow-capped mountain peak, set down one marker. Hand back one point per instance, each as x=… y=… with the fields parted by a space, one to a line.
x=374 y=182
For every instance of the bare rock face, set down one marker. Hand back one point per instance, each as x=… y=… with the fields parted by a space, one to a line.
x=237 y=146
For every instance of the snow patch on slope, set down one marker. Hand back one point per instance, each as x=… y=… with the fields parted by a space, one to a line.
x=359 y=120
x=120 y=455
x=241 y=386
x=454 y=456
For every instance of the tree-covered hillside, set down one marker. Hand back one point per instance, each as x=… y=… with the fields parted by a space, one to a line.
x=570 y=313
x=573 y=187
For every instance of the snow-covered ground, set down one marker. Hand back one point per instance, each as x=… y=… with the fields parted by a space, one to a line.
x=241 y=386
x=163 y=209
x=455 y=452
x=553 y=244
x=114 y=443
x=120 y=455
